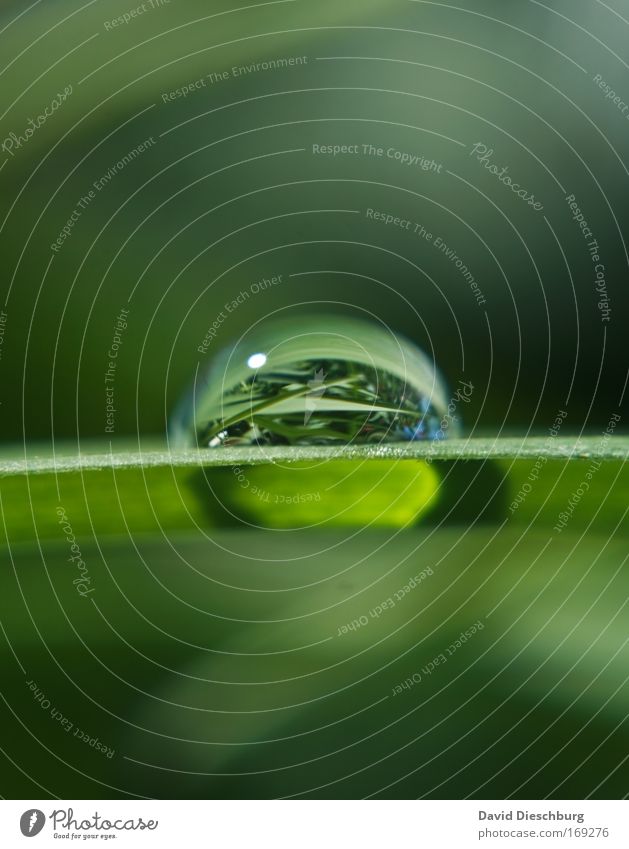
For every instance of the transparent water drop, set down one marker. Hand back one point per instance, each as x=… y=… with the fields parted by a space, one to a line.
x=316 y=380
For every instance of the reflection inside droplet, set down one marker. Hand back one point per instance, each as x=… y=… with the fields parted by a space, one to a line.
x=323 y=380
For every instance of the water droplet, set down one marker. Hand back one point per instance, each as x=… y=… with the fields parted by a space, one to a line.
x=321 y=380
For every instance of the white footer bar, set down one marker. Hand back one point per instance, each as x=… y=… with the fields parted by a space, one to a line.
x=317 y=824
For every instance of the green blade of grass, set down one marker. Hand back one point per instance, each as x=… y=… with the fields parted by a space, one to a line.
x=97 y=456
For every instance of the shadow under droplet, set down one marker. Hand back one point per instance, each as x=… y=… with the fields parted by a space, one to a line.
x=470 y=491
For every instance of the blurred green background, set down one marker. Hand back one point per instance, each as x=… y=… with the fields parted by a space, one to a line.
x=208 y=657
